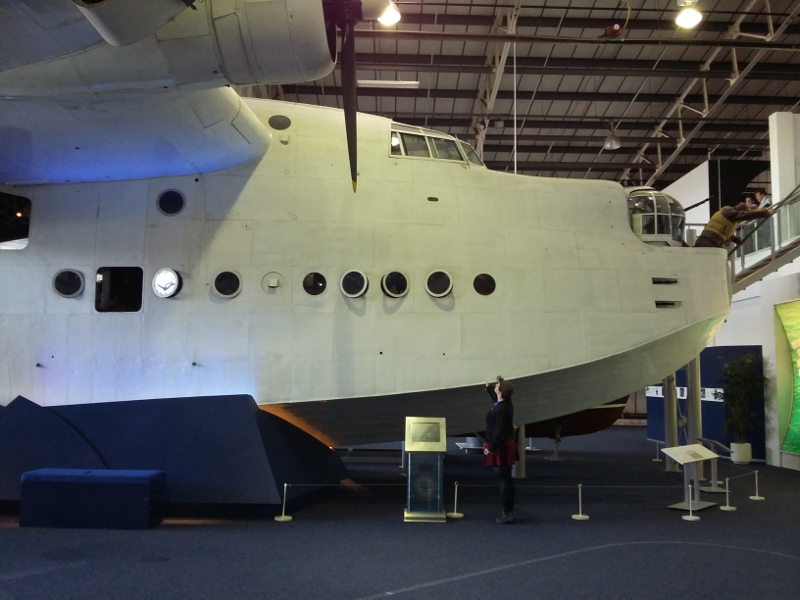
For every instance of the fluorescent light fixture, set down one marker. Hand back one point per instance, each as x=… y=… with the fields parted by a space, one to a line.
x=388 y=83
x=390 y=16
x=612 y=142
x=688 y=18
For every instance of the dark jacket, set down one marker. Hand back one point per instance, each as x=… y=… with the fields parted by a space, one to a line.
x=499 y=422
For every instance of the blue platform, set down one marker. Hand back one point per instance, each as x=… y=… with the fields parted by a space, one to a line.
x=92 y=498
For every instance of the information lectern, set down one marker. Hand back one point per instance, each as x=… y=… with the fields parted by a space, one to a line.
x=426 y=444
x=688 y=457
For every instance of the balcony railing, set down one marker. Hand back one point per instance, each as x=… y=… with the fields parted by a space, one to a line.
x=767 y=244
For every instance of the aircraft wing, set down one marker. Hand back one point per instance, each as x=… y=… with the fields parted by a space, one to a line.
x=128 y=89
x=75 y=108
x=34 y=31
x=114 y=136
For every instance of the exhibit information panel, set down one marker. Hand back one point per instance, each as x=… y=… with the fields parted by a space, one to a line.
x=426 y=444
x=789 y=315
x=426 y=434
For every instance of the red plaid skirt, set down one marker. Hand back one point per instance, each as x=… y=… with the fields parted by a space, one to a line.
x=505 y=455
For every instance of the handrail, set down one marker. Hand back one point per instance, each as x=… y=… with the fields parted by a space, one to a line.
x=793 y=195
x=688 y=208
x=753 y=262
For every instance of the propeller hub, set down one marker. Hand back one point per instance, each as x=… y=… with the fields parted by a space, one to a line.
x=342 y=12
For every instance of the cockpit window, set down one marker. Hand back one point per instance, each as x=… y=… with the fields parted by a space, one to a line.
x=415 y=145
x=656 y=218
x=397 y=149
x=641 y=209
x=417 y=142
x=678 y=217
x=663 y=224
x=446 y=149
x=472 y=156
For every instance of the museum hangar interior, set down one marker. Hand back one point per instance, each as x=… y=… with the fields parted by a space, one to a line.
x=581 y=89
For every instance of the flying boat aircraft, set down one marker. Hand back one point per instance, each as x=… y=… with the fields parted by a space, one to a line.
x=185 y=241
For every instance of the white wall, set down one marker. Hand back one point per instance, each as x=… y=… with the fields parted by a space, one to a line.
x=691 y=189
x=784 y=153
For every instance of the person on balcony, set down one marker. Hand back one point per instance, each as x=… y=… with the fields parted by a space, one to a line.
x=764 y=200
x=763 y=236
x=721 y=227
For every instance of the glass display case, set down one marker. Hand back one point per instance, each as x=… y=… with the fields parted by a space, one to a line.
x=426 y=444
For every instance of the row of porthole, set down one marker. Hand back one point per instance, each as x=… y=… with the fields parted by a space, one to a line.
x=395 y=284
x=353 y=284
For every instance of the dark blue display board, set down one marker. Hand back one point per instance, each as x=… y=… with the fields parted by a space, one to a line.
x=714 y=413
x=215 y=450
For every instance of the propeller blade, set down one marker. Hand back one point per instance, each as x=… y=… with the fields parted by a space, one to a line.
x=350 y=96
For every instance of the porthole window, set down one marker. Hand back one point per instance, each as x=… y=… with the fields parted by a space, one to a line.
x=68 y=283
x=314 y=283
x=228 y=284
x=171 y=202
x=484 y=284
x=354 y=284
x=439 y=284
x=394 y=284
x=15 y=218
x=167 y=283
x=279 y=122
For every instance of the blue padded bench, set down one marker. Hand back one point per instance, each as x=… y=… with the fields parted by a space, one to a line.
x=98 y=498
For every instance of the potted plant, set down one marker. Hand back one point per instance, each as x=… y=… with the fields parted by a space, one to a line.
x=743 y=383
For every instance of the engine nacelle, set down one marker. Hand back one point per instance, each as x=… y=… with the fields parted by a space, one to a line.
x=123 y=22
x=280 y=41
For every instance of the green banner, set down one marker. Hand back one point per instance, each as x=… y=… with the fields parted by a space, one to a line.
x=789 y=315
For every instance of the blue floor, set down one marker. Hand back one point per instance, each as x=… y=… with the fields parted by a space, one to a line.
x=355 y=545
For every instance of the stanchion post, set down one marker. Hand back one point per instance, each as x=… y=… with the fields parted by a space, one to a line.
x=455 y=514
x=756 y=497
x=727 y=506
x=690 y=516
x=283 y=517
x=580 y=516
x=658 y=456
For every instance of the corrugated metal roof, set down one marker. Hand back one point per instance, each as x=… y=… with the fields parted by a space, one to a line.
x=574 y=84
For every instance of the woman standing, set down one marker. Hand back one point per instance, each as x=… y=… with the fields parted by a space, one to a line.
x=500 y=449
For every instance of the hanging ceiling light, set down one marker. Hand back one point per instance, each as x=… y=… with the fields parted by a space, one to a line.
x=612 y=142
x=391 y=16
x=688 y=17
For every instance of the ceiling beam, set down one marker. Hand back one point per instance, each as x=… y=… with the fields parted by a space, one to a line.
x=440 y=36
x=492 y=139
x=629 y=124
x=489 y=82
x=712 y=106
x=563 y=147
x=598 y=24
x=720 y=125
x=573 y=167
x=623 y=97
x=421 y=63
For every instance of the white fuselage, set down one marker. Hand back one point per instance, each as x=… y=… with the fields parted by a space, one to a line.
x=573 y=321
